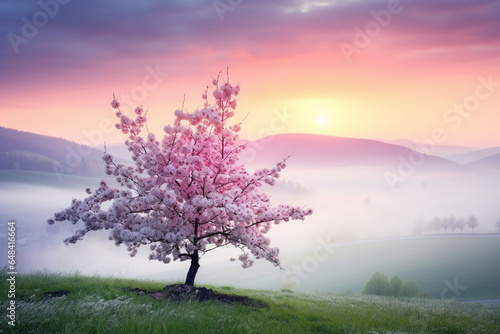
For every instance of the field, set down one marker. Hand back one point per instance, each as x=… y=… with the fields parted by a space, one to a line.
x=452 y=269
x=104 y=305
x=435 y=263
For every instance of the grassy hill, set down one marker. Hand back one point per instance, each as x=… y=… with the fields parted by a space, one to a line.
x=54 y=303
x=433 y=262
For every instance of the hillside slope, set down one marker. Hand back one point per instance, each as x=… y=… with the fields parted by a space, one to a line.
x=32 y=152
x=328 y=151
x=491 y=162
x=475 y=155
x=55 y=303
x=26 y=151
x=431 y=261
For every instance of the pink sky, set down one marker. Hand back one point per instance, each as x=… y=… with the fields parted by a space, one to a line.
x=423 y=65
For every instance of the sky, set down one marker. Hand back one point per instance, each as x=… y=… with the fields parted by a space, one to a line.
x=367 y=69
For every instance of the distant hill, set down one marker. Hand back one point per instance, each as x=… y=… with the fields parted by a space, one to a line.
x=328 y=151
x=27 y=151
x=475 y=155
x=445 y=151
x=492 y=162
x=32 y=152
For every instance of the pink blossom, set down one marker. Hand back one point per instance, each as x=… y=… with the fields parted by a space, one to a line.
x=217 y=94
x=115 y=104
x=187 y=192
x=232 y=104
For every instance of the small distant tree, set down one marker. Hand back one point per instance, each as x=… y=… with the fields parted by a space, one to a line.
x=445 y=224
x=378 y=285
x=460 y=224
x=187 y=194
x=409 y=289
x=453 y=223
x=472 y=222
x=396 y=284
x=436 y=223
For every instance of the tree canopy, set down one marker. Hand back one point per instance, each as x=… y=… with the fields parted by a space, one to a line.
x=186 y=193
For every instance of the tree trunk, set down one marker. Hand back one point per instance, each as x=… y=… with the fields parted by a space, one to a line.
x=193 y=269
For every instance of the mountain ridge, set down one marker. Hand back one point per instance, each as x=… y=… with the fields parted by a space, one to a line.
x=28 y=151
x=335 y=151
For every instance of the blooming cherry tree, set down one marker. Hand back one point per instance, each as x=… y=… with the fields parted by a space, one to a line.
x=186 y=194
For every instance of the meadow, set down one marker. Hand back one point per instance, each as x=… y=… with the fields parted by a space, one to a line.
x=432 y=261
x=327 y=301
x=62 y=303
x=437 y=263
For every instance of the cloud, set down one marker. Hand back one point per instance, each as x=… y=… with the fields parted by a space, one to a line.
x=108 y=44
x=94 y=31
x=451 y=27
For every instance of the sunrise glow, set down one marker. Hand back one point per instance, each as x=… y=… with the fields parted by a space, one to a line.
x=284 y=148
x=321 y=65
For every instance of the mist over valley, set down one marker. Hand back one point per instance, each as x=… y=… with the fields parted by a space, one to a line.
x=364 y=193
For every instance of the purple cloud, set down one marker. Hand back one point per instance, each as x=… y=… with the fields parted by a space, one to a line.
x=93 y=32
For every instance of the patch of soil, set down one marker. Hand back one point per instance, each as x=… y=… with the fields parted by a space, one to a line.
x=181 y=292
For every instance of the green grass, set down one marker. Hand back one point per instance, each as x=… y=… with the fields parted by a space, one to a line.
x=430 y=262
x=103 y=305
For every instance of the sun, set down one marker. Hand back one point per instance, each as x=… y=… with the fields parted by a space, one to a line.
x=321 y=120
